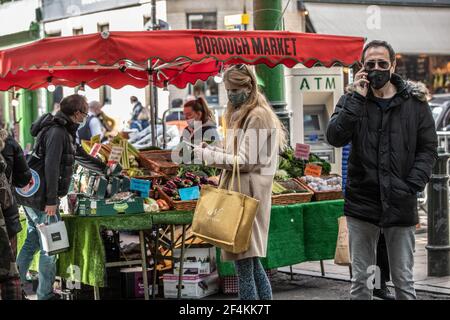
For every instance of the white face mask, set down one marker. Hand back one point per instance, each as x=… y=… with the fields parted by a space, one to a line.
x=190 y=123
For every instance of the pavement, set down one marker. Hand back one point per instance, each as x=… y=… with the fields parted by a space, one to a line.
x=306 y=282
x=423 y=282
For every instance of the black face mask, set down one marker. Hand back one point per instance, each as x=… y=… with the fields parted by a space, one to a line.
x=378 y=78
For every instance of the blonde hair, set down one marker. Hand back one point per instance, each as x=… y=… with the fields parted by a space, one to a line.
x=242 y=76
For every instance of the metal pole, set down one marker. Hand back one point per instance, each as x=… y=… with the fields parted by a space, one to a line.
x=152 y=103
x=438 y=218
x=180 y=273
x=267 y=15
x=144 y=263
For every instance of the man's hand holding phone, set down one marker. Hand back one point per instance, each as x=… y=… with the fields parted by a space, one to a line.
x=361 y=83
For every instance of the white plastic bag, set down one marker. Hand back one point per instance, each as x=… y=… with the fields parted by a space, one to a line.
x=54 y=237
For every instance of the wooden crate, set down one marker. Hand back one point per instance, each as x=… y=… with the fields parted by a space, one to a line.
x=324 y=195
x=291 y=198
x=159 y=161
x=177 y=205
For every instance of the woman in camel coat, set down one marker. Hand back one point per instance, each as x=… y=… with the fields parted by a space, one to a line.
x=255 y=134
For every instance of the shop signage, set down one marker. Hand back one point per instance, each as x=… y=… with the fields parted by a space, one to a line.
x=318 y=83
x=313 y=170
x=266 y=46
x=302 y=151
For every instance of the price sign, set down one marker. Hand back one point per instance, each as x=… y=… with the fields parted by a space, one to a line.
x=313 y=170
x=140 y=185
x=192 y=193
x=95 y=149
x=115 y=155
x=302 y=151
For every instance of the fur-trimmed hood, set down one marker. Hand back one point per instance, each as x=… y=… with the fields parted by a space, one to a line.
x=416 y=89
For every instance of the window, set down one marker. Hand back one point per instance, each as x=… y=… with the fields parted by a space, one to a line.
x=53 y=34
x=147 y=23
x=77 y=31
x=202 y=21
x=105 y=91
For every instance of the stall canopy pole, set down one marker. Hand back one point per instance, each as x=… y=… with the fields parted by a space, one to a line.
x=152 y=107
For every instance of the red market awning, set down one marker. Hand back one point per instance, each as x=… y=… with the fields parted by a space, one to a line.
x=176 y=57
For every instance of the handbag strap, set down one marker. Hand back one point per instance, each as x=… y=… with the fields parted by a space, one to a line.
x=47 y=219
x=235 y=170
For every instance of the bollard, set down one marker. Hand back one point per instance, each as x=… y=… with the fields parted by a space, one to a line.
x=438 y=218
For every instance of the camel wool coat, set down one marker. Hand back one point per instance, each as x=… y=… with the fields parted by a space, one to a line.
x=257 y=144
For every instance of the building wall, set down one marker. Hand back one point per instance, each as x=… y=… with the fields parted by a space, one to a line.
x=10 y=13
x=177 y=11
x=125 y=19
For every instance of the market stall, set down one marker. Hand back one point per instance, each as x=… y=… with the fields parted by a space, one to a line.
x=150 y=181
x=298 y=233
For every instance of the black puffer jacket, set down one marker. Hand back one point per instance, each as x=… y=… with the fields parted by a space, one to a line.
x=56 y=145
x=20 y=175
x=392 y=156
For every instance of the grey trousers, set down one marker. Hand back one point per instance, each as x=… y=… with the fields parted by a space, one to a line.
x=400 y=243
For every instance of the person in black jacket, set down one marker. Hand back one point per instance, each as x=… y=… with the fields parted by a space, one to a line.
x=394 y=147
x=56 y=147
x=18 y=171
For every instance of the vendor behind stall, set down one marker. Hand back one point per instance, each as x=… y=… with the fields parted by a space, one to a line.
x=201 y=126
x=93 y=125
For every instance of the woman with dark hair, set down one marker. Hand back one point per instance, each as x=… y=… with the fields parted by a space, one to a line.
x=201 y=126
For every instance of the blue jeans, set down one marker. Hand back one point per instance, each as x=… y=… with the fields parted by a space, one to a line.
x=47 y=264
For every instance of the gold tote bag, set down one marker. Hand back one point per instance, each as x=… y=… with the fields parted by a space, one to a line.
x=224 y=218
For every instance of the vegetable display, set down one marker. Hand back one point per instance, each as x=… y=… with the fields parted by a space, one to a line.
x=332 y=183
x=294 y=167
x=186 y=180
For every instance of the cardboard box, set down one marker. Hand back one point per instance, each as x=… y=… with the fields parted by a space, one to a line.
x=133 y=283
x=197 y=260
x=194 y=268
x=193 y=286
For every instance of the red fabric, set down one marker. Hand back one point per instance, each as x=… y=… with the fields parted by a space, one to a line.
x=98 y=60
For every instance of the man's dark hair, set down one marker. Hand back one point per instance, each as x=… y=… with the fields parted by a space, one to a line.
x=73 y=103
x=133 y=99
x=177 y=103
x=379 y=43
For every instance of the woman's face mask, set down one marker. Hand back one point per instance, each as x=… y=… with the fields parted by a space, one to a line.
x=237 y=98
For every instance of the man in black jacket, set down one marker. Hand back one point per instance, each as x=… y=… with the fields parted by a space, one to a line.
x=394 y=142
x=56 y=147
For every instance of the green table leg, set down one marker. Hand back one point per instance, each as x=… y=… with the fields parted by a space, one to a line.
x=322 y=268
x=96 y=293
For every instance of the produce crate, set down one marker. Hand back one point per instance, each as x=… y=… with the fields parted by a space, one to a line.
x=94 y=207
x=323 y=195
x=291 y=198
x=159 y=161
x=177 y=205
